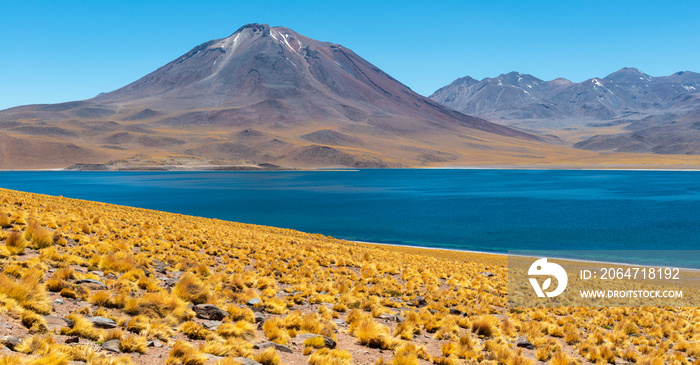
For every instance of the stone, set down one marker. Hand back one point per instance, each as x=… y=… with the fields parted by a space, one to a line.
x=77 y=363
x=75 y=339
x=419 y=302
x=210 y=311
x=155 y=343
x=456 y=312
x=523 y=342
x=259 y=317
x=278 y=347
x=246 y=361
x=211 y=325
x=327 y=341
x=388 y=317
x=159 y=266
x=54 y=322
x=99 y=273
x=111 y=345
x=487 y=274
x=102 y=322
x=254 y=301
x=92 y=284
x=213 y=357
x=59 y=301
x=340 y=322
x=10 y=341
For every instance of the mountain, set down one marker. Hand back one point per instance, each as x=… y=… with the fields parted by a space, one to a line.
x=264 y=96
x=626 y=111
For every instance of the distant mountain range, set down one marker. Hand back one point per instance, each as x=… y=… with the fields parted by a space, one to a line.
x=626 y=111
x=264 y=96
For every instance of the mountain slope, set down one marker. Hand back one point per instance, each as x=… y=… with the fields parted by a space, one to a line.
x=304 y=102
x=608 y=114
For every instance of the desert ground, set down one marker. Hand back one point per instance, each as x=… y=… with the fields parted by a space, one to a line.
x=92 y=283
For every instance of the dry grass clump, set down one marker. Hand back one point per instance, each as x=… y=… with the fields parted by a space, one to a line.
x=185 y=354
x=194 y=330
x=28 y=291
x=330 y=357
x=372 y=334
x=133 y=343
x=485 y=326
x=34 y=322
x=191 y=289
x=39 y=237
x=269 y=356
x=232 y=347
x=241 y=329
x=15 y=243
x=82 y=328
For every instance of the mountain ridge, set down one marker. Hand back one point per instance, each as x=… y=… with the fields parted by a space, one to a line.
x=611 y=110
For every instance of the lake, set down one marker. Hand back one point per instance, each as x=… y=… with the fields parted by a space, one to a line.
x=483 y=210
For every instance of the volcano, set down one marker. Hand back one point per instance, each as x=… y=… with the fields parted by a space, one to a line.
x=264 y=96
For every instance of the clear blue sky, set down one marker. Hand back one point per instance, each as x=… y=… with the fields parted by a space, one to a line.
x=55 y=51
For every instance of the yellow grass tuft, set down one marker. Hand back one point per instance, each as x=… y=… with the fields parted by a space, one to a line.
x=27 y=291
x=194 y=330
x=133 y=343
x=15 y=243
x=33 y=321
x=191 y=289
x=330 y=357
x=185 y=354
x=268 y=356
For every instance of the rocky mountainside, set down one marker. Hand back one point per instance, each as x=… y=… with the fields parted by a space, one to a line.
x=626 y=111
x=262 y=96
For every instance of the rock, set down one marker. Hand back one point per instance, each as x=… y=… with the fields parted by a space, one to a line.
x=7 y=325
x=340 y=322
x=59 y=301
x=259 y=317
x=487 y=274
x=92 y=284
x=99 y=273
x=523 y=342
x=419 y=302
x=211 y=325
x=388 y=317
x=400 y=319
x=111 y=345
x=278 y=347
x=213 y=357
x=75 y=339
x=10 y=341
x=54 y=322
x=456 y=312
x=102 y=322
x=77 y=363
x=254 y=301
x=246 y=361
x=328 y=342
x=210 y=311
x=159 y=266
x=155 y=343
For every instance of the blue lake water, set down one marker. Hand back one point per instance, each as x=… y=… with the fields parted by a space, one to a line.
x=484 y=210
